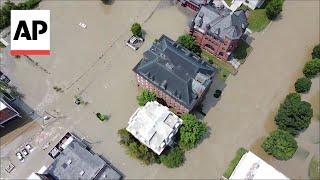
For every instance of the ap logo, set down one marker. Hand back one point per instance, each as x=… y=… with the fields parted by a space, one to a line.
x=30 y=32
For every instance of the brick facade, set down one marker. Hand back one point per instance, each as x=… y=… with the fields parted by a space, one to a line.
x=215 y=46
x=191 y=5
x=145 y=84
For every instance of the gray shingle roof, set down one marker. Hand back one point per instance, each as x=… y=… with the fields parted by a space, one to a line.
x=221 y=22
x=172 y=68
x=76 y=162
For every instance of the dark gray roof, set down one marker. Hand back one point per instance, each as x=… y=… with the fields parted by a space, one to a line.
x=76 y=162
x=172 y=68
x=221 y=22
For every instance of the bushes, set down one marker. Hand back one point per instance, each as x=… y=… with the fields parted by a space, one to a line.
x=233 y=164
x=294 y=115
x=191 y=132
x=316 y=52
x=280 y=144
x=312 y=68
x=136 y=29
x=302 y=85
x=135 y=149
x=146 y=96
x=190 y=43
x=274 y=8
x=174 y=158
x=8 y=6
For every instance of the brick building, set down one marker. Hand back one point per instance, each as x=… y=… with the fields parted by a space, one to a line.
x=194 y=5
x=218 y=30
x=178 y=77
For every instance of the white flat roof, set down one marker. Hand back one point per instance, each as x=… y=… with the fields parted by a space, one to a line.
x=154 y=125
x=251 y=166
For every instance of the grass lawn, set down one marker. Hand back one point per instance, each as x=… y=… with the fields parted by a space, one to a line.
x=228 y=2
x=240 y=152
x=242 y=51
x=224 y=69
x=314 y=171
x=258 y=20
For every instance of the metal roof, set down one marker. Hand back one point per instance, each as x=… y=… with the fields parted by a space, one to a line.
x=221 y=22
x=172 y=68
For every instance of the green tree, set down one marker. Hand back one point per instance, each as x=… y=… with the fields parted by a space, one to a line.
x=190 y=43
x=302 y=85
x=316 y=52
x=135 y=149
x=174 y=158
x=294 y=115
x=8 y=6
x=312 y=68
x=274 y=8
x=136 y=29
x=280 y=144
x=191 y=131
x=125 y=137
x=146 y=96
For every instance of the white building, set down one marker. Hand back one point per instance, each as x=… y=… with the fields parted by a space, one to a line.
x=235 y=4
x=251 y=166
x=252 y=4
x=154 y=126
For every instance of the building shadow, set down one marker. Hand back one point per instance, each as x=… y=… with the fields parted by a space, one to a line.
x=13 y=124
x=210 y=101
x=27 y=114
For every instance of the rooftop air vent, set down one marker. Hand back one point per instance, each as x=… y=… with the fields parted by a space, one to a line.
x=169 y=66
x=81 y=173
x=201 y=14
x=164 y=84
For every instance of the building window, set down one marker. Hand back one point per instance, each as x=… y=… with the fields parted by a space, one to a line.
x=221 y=53
x=209 y=46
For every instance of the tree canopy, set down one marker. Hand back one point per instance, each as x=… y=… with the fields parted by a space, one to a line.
x=274 y=8
x=311 y=68
x=136 y=29
x=8 y=6
x=316 y=52
x=190 y=43
x=294 y=115
x=191 y=132
x=146 y=96
x=136 y=149
x=302 y=85
x=280 y=144
x=174 y=158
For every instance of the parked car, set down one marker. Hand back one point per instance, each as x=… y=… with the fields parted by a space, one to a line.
x=28 y=147
x=24 y=152
x=20 y=157
x=83 y=25
x=4 y=78
x=135 y=42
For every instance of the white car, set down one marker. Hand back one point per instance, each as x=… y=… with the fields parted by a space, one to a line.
x=83 y=25
x=20 y=157
x=28 y=147
x=24 y=152
x=135 y=42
